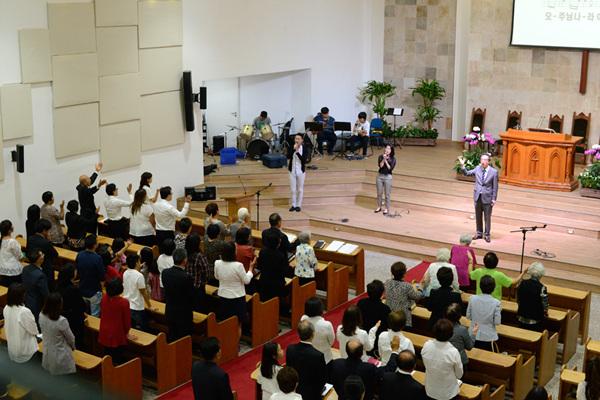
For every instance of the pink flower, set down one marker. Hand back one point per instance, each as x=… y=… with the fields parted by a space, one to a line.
x=590 y=151
x=597 y=156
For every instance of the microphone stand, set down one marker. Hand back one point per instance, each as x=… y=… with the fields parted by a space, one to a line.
x=257 y=194
x=524 y=230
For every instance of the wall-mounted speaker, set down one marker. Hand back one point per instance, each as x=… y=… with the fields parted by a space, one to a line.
x=202 y=97
x=188 y=101
x=18 y=156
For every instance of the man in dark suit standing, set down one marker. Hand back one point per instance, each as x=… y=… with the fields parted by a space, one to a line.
x=342 y=368
x=284 y=245
x=209 y=381
x=401 y=383
x=485 y=193
x=85 y=194
x=40 y=241
x=308 y=362
x=297 y=169
x=35 y=282
x=179 y=297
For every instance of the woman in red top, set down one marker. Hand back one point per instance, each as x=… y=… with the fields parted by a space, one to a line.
x=115 y=321
x=244 y=251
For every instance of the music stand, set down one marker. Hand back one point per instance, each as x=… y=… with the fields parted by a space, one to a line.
x=315 y=128
x=396 y=112
x=342 y=127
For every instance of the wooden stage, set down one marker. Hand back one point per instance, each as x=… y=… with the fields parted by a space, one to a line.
x=433 y=209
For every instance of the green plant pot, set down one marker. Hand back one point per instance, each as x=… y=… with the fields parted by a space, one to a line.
x=415 y=141
x=465 y=178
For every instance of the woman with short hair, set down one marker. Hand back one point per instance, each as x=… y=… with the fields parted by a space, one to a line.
x=10 y=255
x=430 y=280
x=324 y=334
x=59 y=341
x=51 y=213
x=401 y=295
x=532 y=298
x=306 y=261
x=462 y=256
x=19 y=326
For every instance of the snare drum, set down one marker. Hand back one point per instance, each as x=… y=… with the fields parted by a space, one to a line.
x=256 y=148
x=266 y=132
x=247 y=131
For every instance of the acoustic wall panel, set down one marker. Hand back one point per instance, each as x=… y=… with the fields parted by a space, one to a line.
x=117 y=50
x=160 y=23
x=76 y=130
x=116 y=12
x=1 y=153
x=160 y=69
x=75 y=79
x=120 y=98
x=120 y=145
x=15 y=107
x=72 y=28
x=162 y=120
x=34 y=46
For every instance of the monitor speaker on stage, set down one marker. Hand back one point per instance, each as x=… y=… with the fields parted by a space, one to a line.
x=202 y=97
x=218 y=143
x=188 y=101
x=204 y=194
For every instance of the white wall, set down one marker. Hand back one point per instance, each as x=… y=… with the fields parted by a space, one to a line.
x=340 y=41
x=177 y=166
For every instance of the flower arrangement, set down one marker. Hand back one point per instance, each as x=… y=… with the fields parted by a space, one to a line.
x=479 y=142
x=590 y=176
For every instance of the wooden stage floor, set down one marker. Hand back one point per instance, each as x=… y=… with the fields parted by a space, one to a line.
x=432 y=210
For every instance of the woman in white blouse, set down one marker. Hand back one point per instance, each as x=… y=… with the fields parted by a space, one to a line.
x=306 y=261
x=443 y=366
x=141 y=224
x=10 y=255
x=145 y=182
x=19 y=326
x=324 y=335
x=272 y=355
x=349 y=329
x=430 y=281
x=590 y=388
x=233 y=279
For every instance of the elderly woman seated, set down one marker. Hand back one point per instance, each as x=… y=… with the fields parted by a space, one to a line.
x=306 y=261
x=532 y=299
x=462 y=256
x=430 y=280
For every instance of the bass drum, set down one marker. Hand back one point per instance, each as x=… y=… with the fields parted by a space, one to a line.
x=256 y=148
x=307 y=144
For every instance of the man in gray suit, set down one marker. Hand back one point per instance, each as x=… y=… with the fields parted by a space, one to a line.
x=484 y=193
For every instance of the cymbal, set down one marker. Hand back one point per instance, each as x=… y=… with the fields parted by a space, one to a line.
x=233 y=127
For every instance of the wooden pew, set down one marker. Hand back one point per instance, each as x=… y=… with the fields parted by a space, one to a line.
x=124 y=379
x=591 y=350
x=205 y=326
x=298 y=296
x=496 y=368
x=566 y=323
x=569 y=379
x=264 y=321
x=572 y=299
x=172 y=362
x=64 y=255
x=334 y=280
x=542 y=345
x=354 y=261
x=3 y=293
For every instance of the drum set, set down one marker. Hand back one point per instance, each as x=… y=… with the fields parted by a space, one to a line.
x=257 y=142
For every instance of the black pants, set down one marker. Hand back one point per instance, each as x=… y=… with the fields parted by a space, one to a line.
x=538 y=327
x=179 y=329
x=118 y=228
x=148 y=241
x=489 y=346
x=330 y=138
x=161 y=236
x=9 y=280
x=357 y=141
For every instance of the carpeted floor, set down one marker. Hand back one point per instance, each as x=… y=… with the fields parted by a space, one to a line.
x=239 y=370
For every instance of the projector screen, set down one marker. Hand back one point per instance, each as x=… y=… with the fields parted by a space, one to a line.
x=556 y=23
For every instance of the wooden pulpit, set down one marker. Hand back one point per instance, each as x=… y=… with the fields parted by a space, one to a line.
x=539 y=160
x=234 y=203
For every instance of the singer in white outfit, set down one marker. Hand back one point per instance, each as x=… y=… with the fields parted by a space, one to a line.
x=297 y=168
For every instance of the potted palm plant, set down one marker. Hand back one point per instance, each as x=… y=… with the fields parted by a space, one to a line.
x=375 y=93
x=426 y=114
x=590 y=176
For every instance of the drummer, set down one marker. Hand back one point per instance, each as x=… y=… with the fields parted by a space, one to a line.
x=260 y=121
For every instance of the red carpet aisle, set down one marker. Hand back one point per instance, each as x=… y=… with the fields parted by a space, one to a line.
x=239 y=370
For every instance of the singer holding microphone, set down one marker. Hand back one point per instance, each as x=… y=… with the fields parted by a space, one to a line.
x=297 y=169
x=386 y=163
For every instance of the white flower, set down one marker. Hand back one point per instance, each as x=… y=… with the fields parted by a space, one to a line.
x=596 y=147
x=476 y=129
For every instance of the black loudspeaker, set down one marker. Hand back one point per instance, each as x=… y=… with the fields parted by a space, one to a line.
x=202 y=97
x=204 y=194
x=18 y=156
x=218 y=143
x=188 y=101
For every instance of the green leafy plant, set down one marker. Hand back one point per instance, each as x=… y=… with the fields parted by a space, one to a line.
x=472 y=158
x=430 y=91
x=410 y=131
x=375 y=93
x=590 y=177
